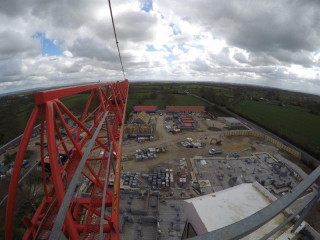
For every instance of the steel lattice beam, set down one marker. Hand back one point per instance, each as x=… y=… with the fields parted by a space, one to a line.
x=80 y=217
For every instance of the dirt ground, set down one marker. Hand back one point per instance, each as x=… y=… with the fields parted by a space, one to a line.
x=32 y=147
x=175 y=151
x=205 y=132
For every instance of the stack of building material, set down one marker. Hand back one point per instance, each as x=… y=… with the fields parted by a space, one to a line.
x=161 y=178
x=143 y=154
x=191 y=144
x=131 y=179
x=148 y=153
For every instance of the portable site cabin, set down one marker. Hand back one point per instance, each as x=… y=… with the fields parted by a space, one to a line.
x=232 y=122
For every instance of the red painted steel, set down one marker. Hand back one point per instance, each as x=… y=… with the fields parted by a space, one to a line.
x=64 y=137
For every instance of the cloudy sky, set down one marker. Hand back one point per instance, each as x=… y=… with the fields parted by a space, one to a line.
x=267 y=43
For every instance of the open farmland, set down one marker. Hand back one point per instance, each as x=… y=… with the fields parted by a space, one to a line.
x=159 y=100
x=300 y=126
x=74 y=100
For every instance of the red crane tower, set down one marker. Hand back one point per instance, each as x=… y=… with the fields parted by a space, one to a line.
x=92 y=143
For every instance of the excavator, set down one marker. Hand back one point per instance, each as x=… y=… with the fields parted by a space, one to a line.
x=215 y=141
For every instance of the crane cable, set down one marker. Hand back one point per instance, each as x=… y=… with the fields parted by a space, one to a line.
x=115 y=35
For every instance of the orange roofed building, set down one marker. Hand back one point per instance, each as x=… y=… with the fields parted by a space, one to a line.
x=184 y=109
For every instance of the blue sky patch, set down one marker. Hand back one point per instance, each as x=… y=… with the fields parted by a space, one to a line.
x=176 y=30
x=150 y=48
x=197 y=37
x=181 y=47
x=217 y=37
x=198 y=46
x=170 y=59
x=146 y=5
x=169 y=49
x=48 y=46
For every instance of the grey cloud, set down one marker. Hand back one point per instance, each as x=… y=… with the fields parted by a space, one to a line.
x=182 y=38
x=93 y=48
x=258 y=59
x=223 y=58
x=274 y=34
x=200 y=66
x=301 y=57
x=136 y=26
x=241 y=58
x=257 y=26
x=76 y=67
x=13 y=43
x=14 y=8
x=10 y=69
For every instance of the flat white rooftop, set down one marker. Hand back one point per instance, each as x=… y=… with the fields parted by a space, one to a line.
x=232 y=120
x=213 y=211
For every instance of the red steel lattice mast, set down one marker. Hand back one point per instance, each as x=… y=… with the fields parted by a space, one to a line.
x=92 y=153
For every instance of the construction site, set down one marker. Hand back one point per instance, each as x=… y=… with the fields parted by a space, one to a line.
x=217 y=139
x=217 y=155
x=181 y=169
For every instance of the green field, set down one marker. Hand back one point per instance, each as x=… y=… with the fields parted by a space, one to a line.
x=178 y=100
x=300 y=126
x=71 y=101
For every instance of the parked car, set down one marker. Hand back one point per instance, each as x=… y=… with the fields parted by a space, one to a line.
x=212 y=151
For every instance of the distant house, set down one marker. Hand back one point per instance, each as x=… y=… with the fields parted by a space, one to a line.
x=232 y=122
x=147 y=109
x=184 y=109
x=141 y=118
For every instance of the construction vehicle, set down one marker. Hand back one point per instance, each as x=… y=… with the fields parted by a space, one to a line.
x=217 y=142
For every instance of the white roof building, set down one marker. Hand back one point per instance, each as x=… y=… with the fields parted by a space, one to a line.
x=232 y=122
x=216 y=210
